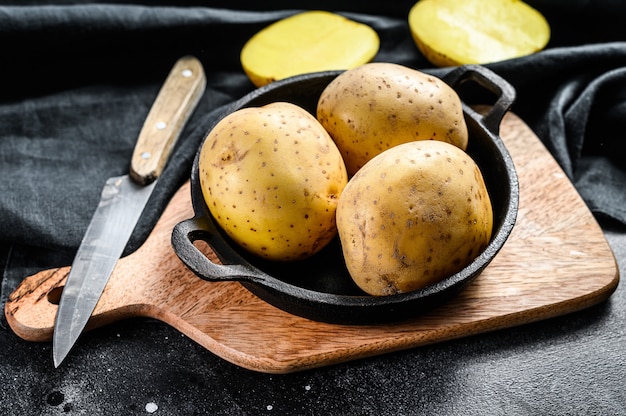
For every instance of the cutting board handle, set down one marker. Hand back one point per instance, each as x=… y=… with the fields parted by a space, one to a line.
x=504 y=92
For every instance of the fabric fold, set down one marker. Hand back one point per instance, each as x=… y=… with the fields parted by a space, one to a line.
x=81 y=78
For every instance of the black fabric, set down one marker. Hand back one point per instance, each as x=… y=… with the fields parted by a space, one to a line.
x=78 y=80
x=574 y=99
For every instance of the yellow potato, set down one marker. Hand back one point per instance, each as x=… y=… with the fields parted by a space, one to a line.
x=451 y=32
x=307 y=42
x=412 y=216
x=376 y=106
x=271 y=177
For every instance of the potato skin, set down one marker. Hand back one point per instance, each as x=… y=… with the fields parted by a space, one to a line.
x=376 y=106
x=412 y=216
x=271 y=177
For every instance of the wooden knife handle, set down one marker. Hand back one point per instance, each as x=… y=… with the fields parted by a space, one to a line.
x=173 y=106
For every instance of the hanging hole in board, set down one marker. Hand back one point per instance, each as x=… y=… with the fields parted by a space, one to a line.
x=54 y=296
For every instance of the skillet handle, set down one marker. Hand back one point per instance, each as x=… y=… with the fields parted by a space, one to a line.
x=186 y=232
x=492 y=82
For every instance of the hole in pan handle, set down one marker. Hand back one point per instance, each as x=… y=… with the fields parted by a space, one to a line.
x=491 y=81
x=186 y=232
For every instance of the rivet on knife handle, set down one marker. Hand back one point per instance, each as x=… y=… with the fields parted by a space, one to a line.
x=183 y=88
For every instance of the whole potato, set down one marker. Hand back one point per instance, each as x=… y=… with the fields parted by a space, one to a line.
x=379 y=105
x=413 y=215
x=271 y=177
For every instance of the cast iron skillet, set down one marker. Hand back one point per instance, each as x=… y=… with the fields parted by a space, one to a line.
x=320 y=287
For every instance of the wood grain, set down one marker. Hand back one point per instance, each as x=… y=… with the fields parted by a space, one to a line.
x=556 y=261
x=170 y=111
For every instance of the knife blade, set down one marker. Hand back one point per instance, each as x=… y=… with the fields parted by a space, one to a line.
x=122 y=201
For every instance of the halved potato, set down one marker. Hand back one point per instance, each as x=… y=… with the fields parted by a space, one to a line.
x=307 y=42
x=451 y=32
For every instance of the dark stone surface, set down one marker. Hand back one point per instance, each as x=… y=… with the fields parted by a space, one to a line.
x=575 y=364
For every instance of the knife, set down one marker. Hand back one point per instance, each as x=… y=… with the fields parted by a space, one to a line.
x=122 y=201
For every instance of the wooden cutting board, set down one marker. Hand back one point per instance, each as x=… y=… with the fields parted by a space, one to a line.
x=556 y=261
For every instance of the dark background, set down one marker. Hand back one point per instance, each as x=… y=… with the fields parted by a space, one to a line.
x=76 y=81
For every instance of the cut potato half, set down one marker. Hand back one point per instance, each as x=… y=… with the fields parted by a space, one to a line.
x=452 y=32
x=307 y=42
